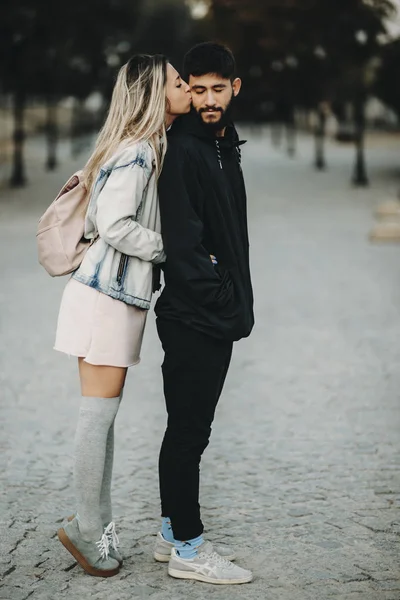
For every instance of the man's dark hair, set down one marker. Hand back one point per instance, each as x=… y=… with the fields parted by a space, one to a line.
x=209 y=57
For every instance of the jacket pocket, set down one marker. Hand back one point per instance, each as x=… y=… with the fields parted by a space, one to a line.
x=123 y=263
x=225 y=296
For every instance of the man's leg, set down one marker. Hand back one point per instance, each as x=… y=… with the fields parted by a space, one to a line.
x=194 y=371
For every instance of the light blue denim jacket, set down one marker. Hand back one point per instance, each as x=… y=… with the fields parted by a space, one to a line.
x=123 y=214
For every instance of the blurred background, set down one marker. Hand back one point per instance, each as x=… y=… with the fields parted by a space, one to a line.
x=326 y=67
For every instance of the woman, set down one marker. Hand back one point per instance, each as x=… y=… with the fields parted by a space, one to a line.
x=105 y=303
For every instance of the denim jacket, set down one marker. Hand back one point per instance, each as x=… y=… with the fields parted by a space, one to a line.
x=124 y=220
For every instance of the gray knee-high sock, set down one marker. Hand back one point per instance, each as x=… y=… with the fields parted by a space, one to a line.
x=105 y=494
x=96 y=416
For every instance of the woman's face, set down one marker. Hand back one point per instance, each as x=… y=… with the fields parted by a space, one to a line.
x=178 y=94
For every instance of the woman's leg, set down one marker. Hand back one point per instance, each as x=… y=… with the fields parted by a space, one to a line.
x=105 y=493
x=101 y=382
x=101 y=388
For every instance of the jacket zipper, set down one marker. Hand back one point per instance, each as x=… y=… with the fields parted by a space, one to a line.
x=121 y=267
x=219 y=153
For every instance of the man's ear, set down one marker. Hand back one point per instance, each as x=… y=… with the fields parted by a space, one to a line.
x=236 y=85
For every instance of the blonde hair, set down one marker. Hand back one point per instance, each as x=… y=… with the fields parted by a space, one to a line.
x=136 y=113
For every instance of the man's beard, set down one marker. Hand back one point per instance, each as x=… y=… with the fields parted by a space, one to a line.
x=214 y=126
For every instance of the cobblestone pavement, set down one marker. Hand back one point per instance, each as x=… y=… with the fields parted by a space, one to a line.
x=302 y=475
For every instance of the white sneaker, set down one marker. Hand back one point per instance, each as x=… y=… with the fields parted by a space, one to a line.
x=162 y=549
x=209 y=567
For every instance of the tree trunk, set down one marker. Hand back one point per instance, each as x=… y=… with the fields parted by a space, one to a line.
x=78 y=142
x=291 y=133
x=276 y=133
x=320 y=129
x=18 y=178
x=51 y=133
x=360 y=177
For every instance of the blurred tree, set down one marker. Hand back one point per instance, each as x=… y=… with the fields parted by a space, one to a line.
x=387 y=84
x=51 y=50
x=167 y=29
x=45 y=51
x=310 y=53
x=15 y=27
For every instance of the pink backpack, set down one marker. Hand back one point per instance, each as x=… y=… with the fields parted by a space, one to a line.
x=61 y=245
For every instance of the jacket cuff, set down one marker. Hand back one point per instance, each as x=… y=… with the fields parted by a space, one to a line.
x=160 y=258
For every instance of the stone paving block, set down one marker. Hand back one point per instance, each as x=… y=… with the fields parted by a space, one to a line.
x=12 y=593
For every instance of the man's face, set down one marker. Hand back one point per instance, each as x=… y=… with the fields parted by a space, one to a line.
x=212 y=95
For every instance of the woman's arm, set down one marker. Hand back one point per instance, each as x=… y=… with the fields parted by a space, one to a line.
x=117 y=206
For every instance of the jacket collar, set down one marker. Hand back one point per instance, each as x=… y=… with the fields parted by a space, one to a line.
x=191 y=125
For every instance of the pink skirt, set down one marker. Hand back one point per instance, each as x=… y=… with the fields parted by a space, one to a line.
x=98 y=328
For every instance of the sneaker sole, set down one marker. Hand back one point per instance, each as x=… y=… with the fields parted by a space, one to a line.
x=121 y=562
x=199 y=577
x=66 y=542
x=163 y=558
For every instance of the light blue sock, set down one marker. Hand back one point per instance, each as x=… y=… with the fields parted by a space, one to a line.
x=189 y=548
x=166 y=530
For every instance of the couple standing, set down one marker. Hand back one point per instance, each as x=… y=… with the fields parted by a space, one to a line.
x=181 y=208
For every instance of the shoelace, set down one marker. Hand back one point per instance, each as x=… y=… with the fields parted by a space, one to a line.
x=112 y=535
x=218 y=559
x=103 y=546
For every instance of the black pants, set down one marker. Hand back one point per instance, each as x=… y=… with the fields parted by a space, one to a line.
x=194 y=370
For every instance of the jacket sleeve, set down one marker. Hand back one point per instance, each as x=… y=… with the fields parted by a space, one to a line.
x=188 y=263
x=117 y=206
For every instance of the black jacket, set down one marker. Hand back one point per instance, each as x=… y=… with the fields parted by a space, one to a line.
x=203 y=212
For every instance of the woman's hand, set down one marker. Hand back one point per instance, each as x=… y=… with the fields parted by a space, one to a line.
x=213 y=259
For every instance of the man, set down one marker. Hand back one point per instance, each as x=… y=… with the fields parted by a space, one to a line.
x=206 y=304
